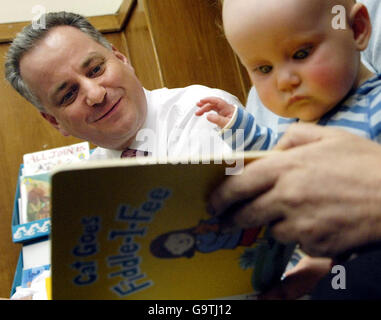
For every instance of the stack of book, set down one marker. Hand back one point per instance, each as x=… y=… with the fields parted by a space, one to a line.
x=31 y=224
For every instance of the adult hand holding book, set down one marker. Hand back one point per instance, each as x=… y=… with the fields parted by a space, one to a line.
x=323 y=191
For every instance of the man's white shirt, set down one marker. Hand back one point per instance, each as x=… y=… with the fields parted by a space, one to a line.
x=172 y=129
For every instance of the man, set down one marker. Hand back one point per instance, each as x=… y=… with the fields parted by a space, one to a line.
x=86 y=88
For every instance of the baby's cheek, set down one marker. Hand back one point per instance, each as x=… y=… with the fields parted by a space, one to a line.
x=321 y=76
x=269 y=97
x=330 y=82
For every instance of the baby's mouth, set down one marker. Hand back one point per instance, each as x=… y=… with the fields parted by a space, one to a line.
x=295 y=99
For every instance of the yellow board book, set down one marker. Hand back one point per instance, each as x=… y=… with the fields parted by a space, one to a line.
x=124 y=229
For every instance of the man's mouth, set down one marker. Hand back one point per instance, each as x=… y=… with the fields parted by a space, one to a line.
x=109 y=111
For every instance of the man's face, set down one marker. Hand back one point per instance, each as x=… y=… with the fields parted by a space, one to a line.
x=87 y=90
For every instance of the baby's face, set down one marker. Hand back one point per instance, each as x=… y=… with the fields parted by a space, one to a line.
x=300 y=65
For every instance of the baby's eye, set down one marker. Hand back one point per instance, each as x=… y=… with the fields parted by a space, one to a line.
x=265 y=69
x=302 y=54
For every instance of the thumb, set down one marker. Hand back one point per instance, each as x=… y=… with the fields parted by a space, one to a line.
x=300 y=280
x=301 y=133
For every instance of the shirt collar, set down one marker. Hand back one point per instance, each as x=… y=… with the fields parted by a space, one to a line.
x=149 y=124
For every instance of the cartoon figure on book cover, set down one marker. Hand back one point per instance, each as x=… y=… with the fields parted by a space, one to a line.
x=37 y=197
x=208 y=236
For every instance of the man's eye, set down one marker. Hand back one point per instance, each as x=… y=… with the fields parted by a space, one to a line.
x=301 y=54
x=68 y=97
x=265 y=69
x=96 y=70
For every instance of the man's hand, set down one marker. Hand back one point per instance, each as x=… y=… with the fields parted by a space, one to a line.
x=323 y=191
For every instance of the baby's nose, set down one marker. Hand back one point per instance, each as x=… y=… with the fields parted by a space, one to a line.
x=288 y=80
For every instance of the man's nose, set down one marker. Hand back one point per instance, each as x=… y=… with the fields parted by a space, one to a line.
x=95 y=93
x=287 y=79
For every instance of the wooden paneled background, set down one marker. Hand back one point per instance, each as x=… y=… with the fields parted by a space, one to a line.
x=171 y=43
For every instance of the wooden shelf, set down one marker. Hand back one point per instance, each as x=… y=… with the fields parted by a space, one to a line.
x=105 y=24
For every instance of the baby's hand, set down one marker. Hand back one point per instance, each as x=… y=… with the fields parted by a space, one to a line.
x=224 y=110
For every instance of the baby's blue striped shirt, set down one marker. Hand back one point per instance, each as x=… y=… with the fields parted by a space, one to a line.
x=360 y=113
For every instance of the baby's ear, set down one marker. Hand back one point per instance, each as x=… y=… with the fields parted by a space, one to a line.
x=361 y=25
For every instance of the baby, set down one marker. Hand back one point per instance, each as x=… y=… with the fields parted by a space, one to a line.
x=303 y=66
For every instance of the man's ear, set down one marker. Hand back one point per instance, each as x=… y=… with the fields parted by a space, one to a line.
x=53 y=121
x=361 y=25
x=119 y=55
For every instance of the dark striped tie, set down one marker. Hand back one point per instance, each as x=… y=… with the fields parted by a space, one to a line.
x=132 y=153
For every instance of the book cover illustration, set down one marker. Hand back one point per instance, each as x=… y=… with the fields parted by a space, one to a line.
x=122 y=230
x=34 y=202
x=46 y=160
x=35 y=197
